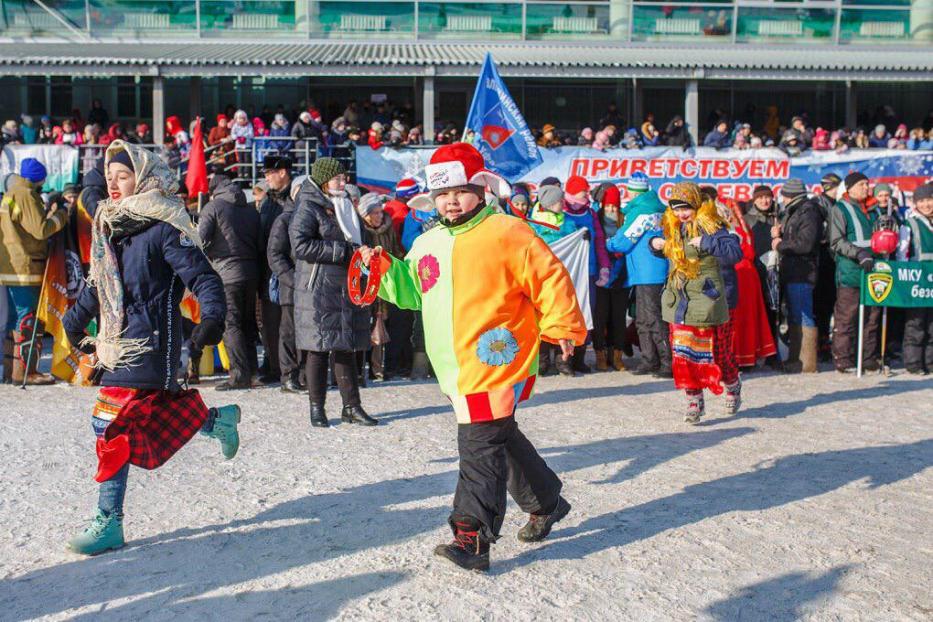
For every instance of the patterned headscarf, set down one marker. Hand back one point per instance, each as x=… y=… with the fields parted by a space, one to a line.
x=153 y=199
x=707 y=221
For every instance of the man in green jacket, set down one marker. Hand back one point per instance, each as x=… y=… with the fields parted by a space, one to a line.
x=24 y=232
x=851 y=224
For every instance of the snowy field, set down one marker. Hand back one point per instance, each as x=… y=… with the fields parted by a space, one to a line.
x=814 y=502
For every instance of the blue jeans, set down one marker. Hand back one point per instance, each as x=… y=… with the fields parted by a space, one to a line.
x=800 y=305
x=22 y=301
x=113 y=490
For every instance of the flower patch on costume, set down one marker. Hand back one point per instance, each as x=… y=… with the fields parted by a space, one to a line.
x=496 y=347
x=429 y=270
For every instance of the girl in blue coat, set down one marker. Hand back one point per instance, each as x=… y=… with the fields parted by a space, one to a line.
x=144 y=253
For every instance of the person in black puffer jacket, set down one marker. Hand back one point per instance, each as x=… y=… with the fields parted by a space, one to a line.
x=797 y=239
x=231 y=234
x=324 y=232
x=282 y=264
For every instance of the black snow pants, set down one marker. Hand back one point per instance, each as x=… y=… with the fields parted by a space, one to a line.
x=495 y=458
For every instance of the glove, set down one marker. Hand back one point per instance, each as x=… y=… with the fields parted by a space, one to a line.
x=865 y=260
x=75 y=340
x=586 y=234
x=603 y=279
x=208 y=333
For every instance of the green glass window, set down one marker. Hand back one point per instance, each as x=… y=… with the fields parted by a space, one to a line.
x=880 y=25
x=235 y=18
x=558 y=20
x=465 y=19
x=341 y=19
x=769 y=25
x=653 y=23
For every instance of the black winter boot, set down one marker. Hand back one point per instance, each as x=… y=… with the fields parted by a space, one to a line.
x=356 y=414
x=539 y=525
x=579 y=360
x=545 y=367
x=290 y=384
x=468 y=550
x=318 y=416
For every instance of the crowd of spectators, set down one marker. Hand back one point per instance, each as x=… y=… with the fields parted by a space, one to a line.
x=385 y=124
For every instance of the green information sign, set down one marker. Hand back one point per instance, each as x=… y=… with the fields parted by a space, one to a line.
x=899 y=284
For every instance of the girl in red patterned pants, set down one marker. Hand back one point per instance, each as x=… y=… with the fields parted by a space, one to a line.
x=697 y=244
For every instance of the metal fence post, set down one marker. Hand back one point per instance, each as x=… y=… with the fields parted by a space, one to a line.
x=253 y=161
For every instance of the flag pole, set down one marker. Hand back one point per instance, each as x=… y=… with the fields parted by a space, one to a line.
x=861 y=338
x=35 y=327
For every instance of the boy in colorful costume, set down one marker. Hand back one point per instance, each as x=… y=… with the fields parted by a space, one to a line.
x=144 y=252
x=489 y=289
x=697 y=242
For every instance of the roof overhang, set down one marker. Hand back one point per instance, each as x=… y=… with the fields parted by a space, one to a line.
x=519 y=59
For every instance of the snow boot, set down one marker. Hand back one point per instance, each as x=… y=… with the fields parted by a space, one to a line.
x=602 y=360
x=794 y=336
x=695 y=407
x=291 y=384
x=578 y=360
x=565 y=368
x=539 y=525
x=645 y=369
x=318 y=416
x=7 y=358
x=808 y=349
x=617 y=363
x=545 y=365
x=664 y=371
x=734 y=396
x=356 y=414
x=105 y=533
x=223 y=427
x=420 y=367
x=193 y=375
x=20 y=369
x=468 y=550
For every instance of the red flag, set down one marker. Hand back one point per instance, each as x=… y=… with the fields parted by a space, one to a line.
x=196 y=178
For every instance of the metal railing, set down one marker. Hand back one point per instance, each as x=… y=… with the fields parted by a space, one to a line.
x=243 y=161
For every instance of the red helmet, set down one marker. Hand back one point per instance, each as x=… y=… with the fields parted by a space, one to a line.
x=884 y=242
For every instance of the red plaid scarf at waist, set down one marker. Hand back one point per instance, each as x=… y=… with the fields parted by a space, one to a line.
x=156 y=423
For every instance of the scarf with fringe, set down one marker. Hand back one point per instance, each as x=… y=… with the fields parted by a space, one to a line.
x=153 y=200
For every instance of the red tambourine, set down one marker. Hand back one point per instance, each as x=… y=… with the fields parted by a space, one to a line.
x=378 y=266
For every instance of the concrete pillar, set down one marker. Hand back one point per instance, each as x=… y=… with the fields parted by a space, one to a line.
x=427 y=102
x=194 y=101
x=416 y=101
x=638 y=103
x=692 y=110
x=620 y=12
x=851 y=105
x=158 y=109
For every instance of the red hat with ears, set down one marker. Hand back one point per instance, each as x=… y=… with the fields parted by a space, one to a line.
x=612 y=196
x=455 y=166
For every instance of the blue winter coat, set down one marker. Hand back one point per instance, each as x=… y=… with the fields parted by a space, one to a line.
x=587 y=220
x=727 y=248
x=642 y=222
x=413 y=227
x=157 y=267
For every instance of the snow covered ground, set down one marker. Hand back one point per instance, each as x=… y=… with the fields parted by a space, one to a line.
x=814 y=502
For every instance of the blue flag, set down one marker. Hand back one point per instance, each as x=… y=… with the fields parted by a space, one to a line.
x=502 y=135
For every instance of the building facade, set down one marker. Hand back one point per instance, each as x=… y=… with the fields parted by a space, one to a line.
x=564 y=62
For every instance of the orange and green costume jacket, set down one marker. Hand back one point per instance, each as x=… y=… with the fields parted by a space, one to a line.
x=489 y=290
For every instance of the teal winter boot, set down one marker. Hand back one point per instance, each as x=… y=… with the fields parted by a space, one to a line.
x=103 y=534
x=224 y=429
